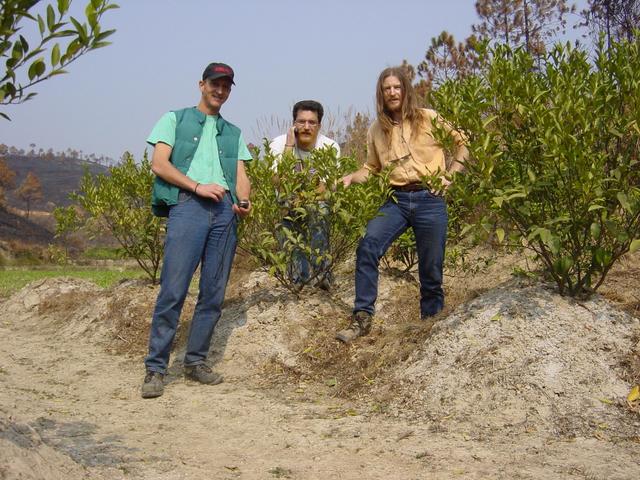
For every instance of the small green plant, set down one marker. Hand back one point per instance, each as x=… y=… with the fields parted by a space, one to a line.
x=403 y=252
x=57 y=255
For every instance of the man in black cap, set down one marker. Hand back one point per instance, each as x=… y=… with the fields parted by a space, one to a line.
x=202 y=187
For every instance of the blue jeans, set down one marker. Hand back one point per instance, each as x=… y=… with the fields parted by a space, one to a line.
x=199 y=231
x=314 y=229
x=426 y=213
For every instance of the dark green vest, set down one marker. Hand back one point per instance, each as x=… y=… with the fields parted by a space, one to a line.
x=189 y=125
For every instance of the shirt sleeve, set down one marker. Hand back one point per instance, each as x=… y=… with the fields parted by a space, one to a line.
x=277 y=145
x=373 y=161
x=243 y=151
x=164 y=131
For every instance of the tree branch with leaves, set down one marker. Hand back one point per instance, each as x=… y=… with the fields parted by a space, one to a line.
x=62 y=40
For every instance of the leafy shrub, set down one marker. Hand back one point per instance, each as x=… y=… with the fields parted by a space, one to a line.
x=120 y=203
x=292 y=189
x=555 y=155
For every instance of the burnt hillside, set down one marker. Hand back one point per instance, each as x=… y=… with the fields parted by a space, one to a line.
x=14 y=227
x=59 y=177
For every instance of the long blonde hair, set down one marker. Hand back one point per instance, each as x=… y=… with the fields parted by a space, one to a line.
x=410 y=110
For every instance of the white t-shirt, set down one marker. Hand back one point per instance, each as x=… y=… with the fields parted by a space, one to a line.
x=278 y=143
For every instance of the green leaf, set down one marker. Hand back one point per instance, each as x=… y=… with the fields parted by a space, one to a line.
x=37 y=68
x=16 y=55
x=624 y=201
x=63 y=6
x=72 y=49
x=563 y=265
x=488 y=121
x=41 y=25
x=80 y=30
x=90 y=13
x=500 y=234
x=51 y=18
x=615 y=132
x=55 y=55
x=635 y=245
x=25 y=44
x=97 y=45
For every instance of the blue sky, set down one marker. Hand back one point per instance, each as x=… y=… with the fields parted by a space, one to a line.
x=281 y=50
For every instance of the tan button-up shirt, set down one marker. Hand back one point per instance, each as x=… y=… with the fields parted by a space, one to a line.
x=411 y=158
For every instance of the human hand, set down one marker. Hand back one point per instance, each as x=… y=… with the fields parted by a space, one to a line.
x=291 y=136
x=347 y=180
x=242 y=208
x=212 y=191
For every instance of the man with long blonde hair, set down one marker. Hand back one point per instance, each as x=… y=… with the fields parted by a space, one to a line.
x=402 y=140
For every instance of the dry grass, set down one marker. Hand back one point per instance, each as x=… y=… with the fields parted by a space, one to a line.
x=64 y=305
x=351 y=370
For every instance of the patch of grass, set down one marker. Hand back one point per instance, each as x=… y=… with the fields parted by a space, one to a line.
x=12 y=280
x=104 y=253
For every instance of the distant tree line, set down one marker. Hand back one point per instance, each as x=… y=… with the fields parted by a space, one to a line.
x=50 y=154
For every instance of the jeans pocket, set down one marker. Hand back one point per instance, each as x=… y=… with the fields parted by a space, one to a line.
x=435 y=195
x=184 y=196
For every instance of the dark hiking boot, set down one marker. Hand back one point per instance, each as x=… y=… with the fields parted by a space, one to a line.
x=153 y=385
x=202 y=373
x=360 y=325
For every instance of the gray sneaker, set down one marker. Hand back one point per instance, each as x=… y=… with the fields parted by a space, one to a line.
x=202 y=373
x=153 y=385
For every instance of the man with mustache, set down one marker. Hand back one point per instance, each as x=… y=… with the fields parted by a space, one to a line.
x=300 y=140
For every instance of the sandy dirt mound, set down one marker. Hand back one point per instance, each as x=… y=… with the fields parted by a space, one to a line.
x=514 y=382
x=520 y=359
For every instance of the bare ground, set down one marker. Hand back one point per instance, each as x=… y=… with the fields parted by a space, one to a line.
x=511 y=381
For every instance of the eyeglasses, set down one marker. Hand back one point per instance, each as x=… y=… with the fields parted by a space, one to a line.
x=302 y=123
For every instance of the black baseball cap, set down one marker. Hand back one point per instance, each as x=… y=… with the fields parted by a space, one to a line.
x=218 y=70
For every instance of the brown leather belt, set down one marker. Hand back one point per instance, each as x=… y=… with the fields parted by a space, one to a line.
x=410 y=187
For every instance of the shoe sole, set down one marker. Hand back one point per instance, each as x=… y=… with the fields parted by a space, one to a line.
x=217 y=381
x=151 y=394
x=344 y=338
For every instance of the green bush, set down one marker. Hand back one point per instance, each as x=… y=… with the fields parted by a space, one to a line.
x=120 y=203
x=555 y=156
x=292 y=189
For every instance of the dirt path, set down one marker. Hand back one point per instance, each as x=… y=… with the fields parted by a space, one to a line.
x=71 y=410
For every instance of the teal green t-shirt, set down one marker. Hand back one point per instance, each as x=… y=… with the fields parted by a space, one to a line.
x=205 y=166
